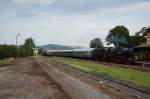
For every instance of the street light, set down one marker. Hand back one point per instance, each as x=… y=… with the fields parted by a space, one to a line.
x=17 y=40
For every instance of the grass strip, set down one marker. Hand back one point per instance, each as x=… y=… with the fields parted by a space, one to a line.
x=136 y=77
x=4 y=61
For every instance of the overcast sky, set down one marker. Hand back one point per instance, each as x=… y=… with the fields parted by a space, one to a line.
x=69 y=22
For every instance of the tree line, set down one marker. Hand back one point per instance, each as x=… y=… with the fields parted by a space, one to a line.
x=8 y=51
x=120 y=38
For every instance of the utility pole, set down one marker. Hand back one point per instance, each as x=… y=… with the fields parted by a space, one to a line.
x=30 y=48
x=17 y=40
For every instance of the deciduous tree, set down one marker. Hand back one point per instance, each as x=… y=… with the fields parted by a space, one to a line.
x=96 y=43
x=119 y=36
x=137 y=39
x=28 y=45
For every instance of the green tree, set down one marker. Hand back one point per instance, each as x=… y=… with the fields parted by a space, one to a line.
x=28 y=45
x=119 y=36
x=96 y=43
x=7 y=51
x=137 y=39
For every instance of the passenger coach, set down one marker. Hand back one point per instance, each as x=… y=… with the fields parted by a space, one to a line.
x=75 y=53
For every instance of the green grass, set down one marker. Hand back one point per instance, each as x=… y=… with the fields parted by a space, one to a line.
x=129 y=75
x=3 y=61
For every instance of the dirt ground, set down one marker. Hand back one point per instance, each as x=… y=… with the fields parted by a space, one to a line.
x=37 y=78
x=75 y=85
x=26 y=80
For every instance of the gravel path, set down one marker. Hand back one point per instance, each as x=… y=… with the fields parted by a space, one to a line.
x=32 y=78
x=26 y=80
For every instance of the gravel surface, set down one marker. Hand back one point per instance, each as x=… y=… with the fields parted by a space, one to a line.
x=26 y=80
x=74 y=87
x=34 y=78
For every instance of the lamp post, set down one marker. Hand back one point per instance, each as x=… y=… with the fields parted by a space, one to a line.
x=17 y=40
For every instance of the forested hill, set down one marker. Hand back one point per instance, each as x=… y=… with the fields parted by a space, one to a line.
x=58 y=47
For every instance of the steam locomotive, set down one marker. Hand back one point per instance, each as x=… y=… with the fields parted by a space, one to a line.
x=106 y=54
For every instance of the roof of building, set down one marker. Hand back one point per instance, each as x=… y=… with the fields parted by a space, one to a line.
x=143 y=45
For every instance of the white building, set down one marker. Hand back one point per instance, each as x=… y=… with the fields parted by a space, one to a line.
x=35 y=51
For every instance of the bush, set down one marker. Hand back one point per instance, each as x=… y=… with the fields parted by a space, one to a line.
x=7 y=51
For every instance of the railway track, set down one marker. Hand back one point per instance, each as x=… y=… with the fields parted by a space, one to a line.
x=118 y=85
x=139 y=93
x=129 y=86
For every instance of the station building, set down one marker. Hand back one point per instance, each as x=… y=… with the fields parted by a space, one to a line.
x=143 y=51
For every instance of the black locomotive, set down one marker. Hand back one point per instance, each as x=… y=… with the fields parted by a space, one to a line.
x=123 y=56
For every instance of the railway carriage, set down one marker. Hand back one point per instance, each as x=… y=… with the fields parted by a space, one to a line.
x=82 y=53
x=75 y=53
x=106 y=54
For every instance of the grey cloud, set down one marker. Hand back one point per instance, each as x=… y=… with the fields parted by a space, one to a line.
x=22 y=8
x=28 y=8
x=85 y=6
x=84 y=19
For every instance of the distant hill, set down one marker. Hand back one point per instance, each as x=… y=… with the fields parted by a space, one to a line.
x=58 y=47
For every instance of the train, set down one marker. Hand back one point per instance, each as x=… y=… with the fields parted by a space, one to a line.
x=106 y=54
